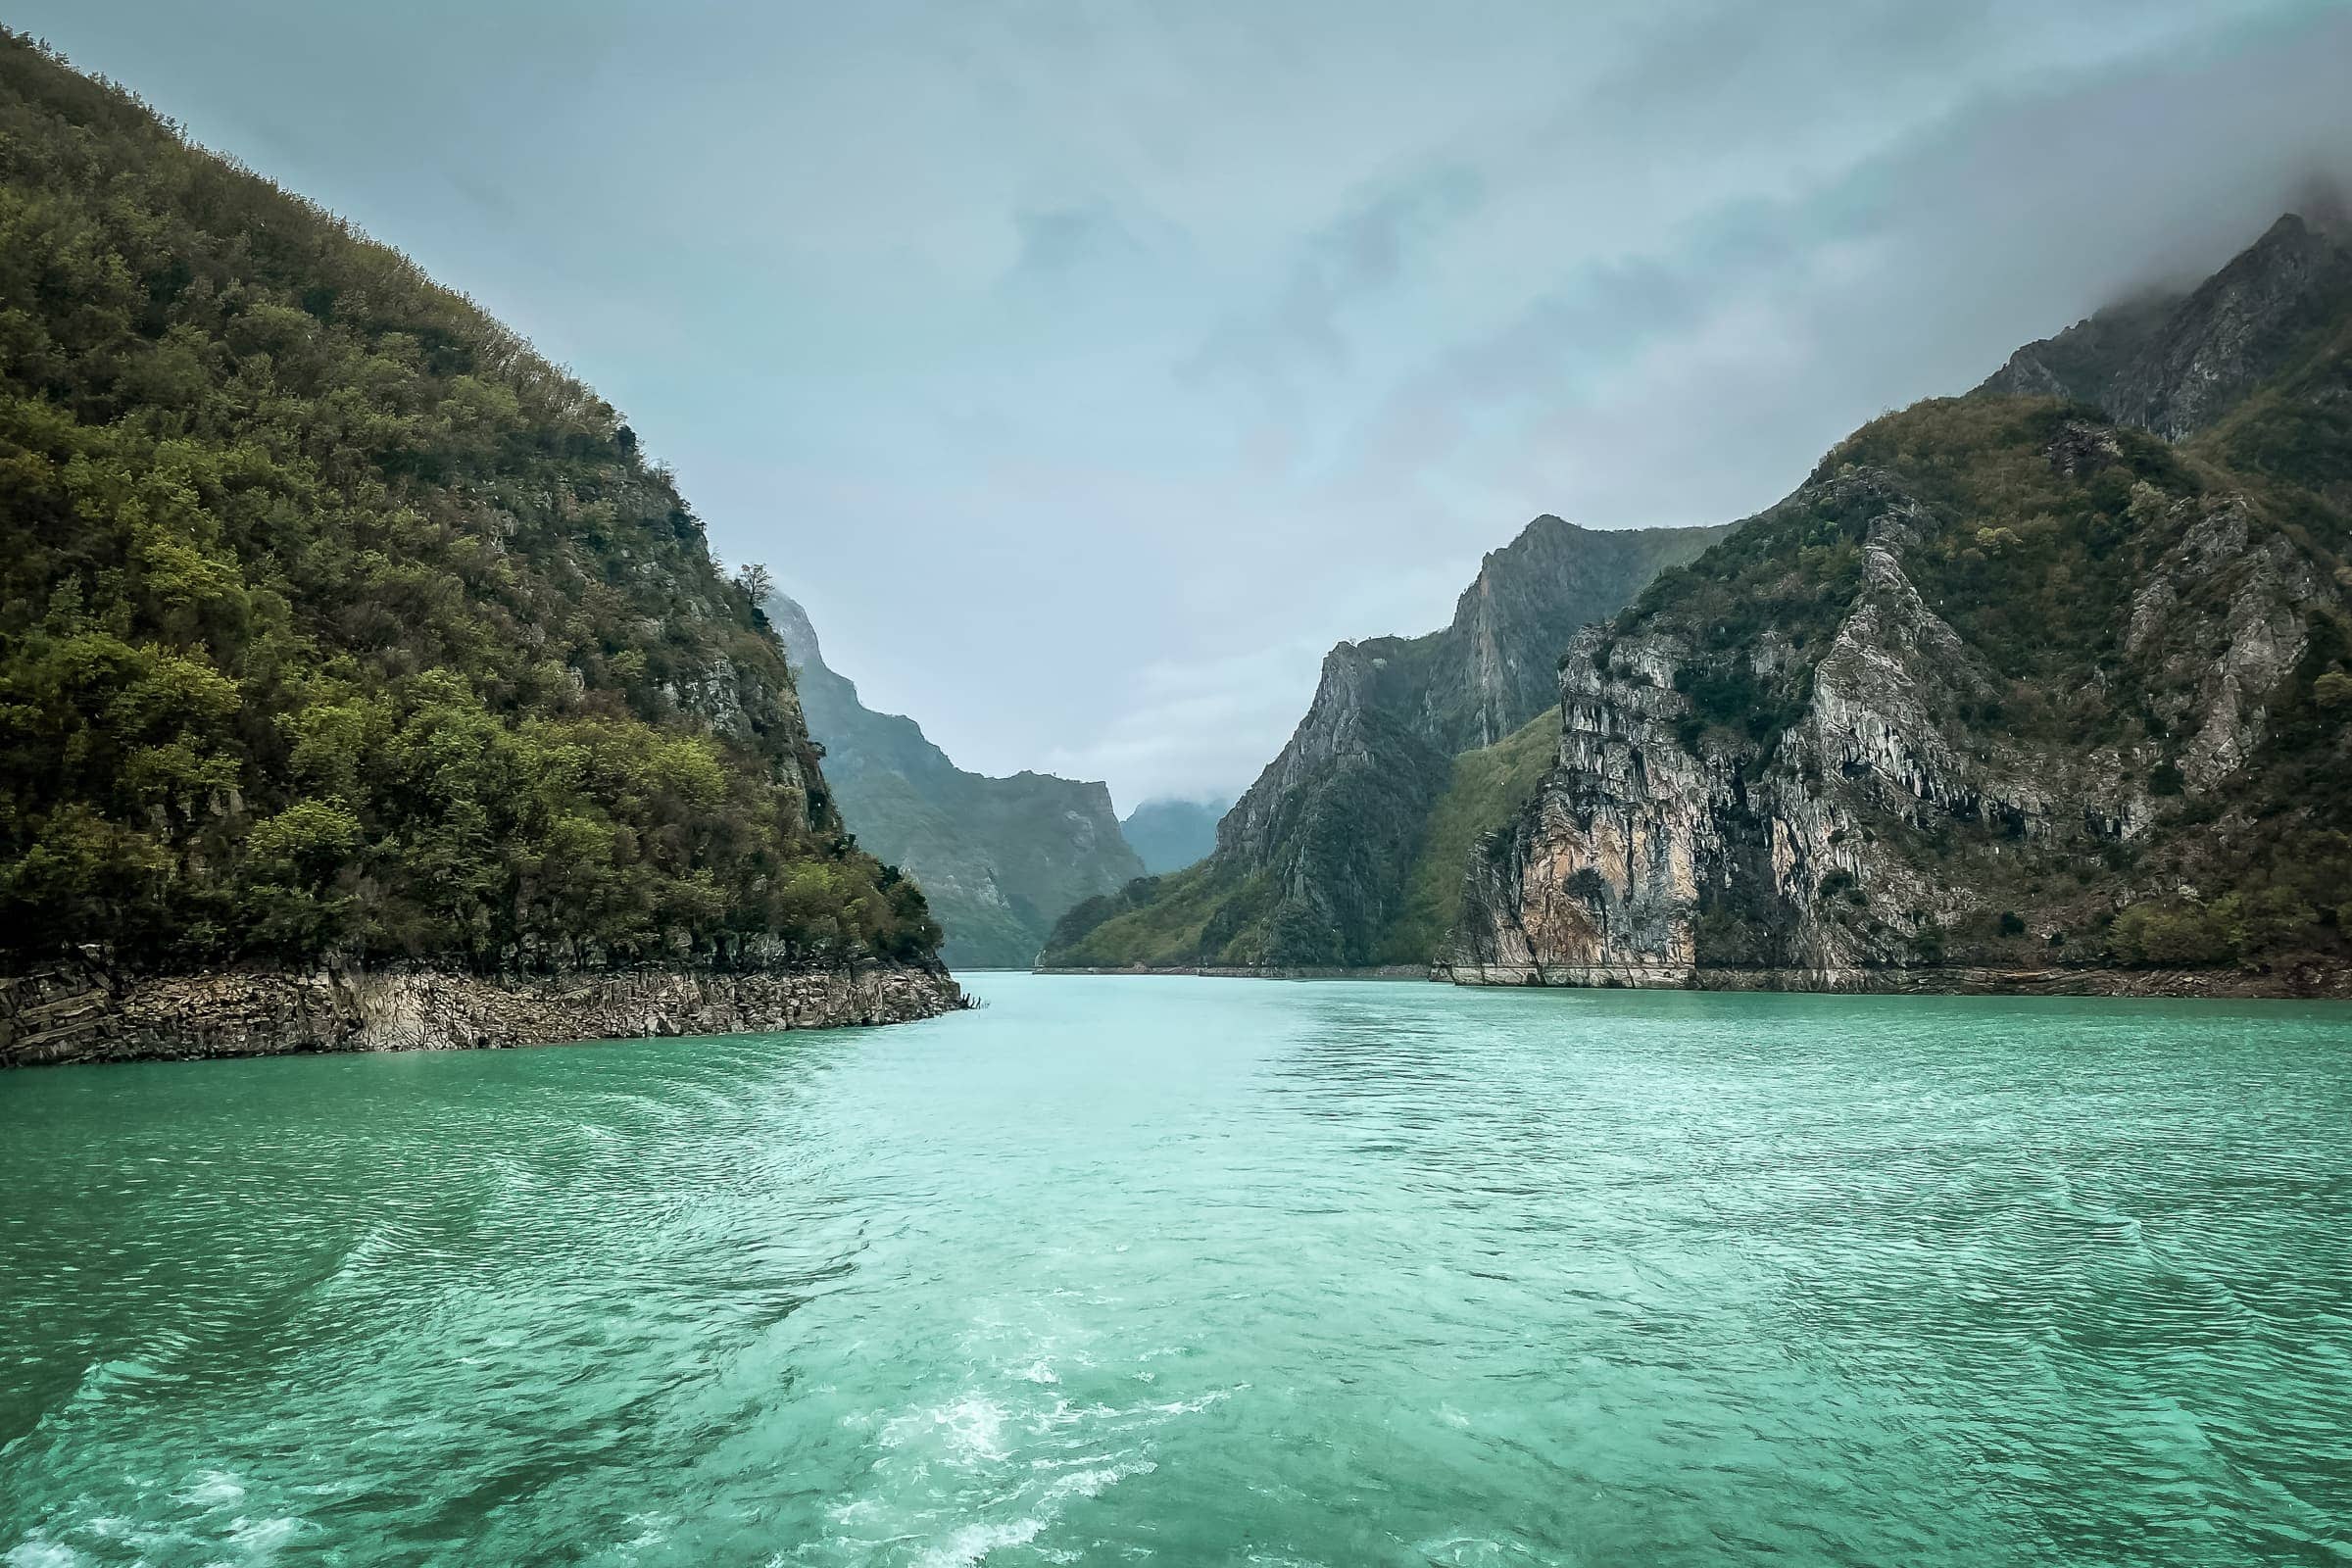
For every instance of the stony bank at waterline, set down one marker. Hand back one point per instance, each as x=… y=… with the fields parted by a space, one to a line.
x=77 y=1012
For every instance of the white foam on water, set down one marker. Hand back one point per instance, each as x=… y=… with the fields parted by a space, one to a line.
x=212 y=1489
x=263 y=1536
x=989 y=1433
x=973 y=1542
x=1092 y=1483
x=652 y=1529
x=1467 y=1551
x=973 y=1429
x=1196 y=1406
x=1064 y=1413
x=34 y=1552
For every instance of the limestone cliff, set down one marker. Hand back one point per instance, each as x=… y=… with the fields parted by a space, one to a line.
x=1000 y=860
x=2007 y=694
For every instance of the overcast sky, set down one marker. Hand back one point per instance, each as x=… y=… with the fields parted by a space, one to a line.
x=1088 y=369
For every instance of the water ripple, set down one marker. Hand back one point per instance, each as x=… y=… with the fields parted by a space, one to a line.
x=1191 y=1271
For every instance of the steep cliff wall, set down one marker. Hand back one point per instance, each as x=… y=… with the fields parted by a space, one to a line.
x=2176 y=364
x=2005 y=696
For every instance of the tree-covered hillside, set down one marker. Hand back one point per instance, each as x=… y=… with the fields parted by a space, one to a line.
x=334 y=621
x=1169 y=920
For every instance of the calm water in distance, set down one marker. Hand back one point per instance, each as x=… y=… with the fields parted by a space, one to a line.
x=1191 y=1271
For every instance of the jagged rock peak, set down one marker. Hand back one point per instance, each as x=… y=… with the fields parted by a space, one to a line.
x=2175 y=363
x=794 y=629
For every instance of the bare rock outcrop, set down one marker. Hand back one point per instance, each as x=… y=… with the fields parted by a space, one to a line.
x=1854 y=846
x=77 y=1012
x=2007 y=696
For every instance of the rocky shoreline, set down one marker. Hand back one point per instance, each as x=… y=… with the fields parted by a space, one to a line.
x=2308 y=983
x=1386 y=971
x=80 y=1014
x=2312 y=983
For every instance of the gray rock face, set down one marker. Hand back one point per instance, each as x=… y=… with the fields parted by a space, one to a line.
x=2083 y=361
x=1315 y=866
x=1000 y=860
x=1837 y=852
x=2238 y=330
x=1843 y=758
x=74 y=1013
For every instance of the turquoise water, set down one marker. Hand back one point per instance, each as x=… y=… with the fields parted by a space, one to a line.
x=1191 y=1271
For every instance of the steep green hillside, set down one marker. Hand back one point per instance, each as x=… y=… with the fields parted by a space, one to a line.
x=1154 y=922
x=1000 y=859
x=1486 y=790
x=333 y=620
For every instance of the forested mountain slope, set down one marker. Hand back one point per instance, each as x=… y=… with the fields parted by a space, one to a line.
x=1000 y=859
x=336 y=624
x=2013 y=691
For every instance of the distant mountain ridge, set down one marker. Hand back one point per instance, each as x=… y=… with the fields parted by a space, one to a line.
x=1172 y=834
x=1314 y=862
x=999 y=858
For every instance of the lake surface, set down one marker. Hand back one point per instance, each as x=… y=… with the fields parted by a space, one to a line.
x=1194 y=1271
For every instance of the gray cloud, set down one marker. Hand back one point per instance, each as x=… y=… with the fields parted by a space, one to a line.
x=1058 y=242
x=1088 y=372
x=1363 y=250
